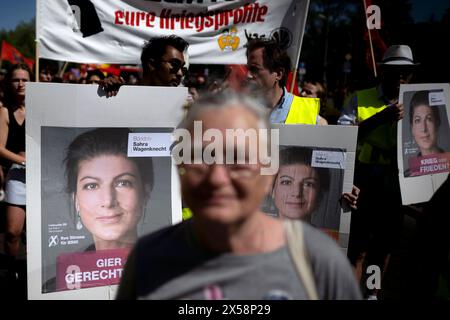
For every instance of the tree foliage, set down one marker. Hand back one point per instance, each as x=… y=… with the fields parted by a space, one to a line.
x=22 y=37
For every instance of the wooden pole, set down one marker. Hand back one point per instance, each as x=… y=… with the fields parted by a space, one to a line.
x=294 y=77
x=370 y=42
x=37 y=60
x=63 y=69
x=297 y=60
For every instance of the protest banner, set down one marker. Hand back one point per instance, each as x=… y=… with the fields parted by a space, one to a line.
x=423 y=140
x=316 y=167
x=111 y=31
x=99 y=175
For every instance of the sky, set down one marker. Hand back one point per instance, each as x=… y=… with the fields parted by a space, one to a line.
x=12 y=12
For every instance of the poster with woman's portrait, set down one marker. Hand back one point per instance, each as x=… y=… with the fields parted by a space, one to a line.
x=101 y=177
x=426 y=133
x=102 y=188
x=424 y=136
x=308 y=186
x=315 y=167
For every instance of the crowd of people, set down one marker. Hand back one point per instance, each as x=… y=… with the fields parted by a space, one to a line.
x=229 y=248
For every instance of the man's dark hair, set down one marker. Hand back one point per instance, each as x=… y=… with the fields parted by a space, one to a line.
x=95 y=72
x=274 y=57
x=156 y=47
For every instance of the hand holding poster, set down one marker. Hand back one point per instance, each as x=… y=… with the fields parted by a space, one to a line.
x=424 y=140
x=100 y=177
x=114 y=31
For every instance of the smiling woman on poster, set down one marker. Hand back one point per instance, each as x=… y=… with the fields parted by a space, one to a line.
x=109 y=190
x=425 y=121
x=298 y=186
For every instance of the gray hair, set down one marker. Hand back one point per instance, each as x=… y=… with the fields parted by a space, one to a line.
x=224 y=99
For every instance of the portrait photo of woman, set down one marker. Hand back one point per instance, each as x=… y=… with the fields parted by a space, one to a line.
x=303 y=191
x=97 y=200
x=427 y=131
x=425 y=121
x=108 y=189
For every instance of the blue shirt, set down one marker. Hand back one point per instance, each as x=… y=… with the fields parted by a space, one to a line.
x=281 y=110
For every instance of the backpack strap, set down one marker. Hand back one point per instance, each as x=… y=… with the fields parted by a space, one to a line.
x=297 y=249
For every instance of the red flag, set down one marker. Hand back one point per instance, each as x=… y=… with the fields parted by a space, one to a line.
x=11 y=54
x=237 y=74
x=108 y=68
x=289 y=84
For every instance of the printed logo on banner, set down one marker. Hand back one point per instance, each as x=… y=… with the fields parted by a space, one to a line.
x=252 y=36
x=83 y=17
x=229 y=41
x=328 y=159
x=283 y=36
x=149 y=144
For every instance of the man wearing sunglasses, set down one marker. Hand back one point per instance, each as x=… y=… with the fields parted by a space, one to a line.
x=163 y=63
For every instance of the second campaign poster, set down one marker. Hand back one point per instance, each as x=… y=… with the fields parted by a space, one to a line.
x=315 y=168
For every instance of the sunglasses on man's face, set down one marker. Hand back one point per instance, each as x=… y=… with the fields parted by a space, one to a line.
x=399 y=71
x=176 y=65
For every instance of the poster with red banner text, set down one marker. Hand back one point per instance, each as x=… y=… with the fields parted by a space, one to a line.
x=423 y=140
x=90 y=269
x=114 y=31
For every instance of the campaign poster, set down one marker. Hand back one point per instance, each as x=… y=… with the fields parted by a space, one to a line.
x=102 y=189
x=315 y=168
x=424 y=140
x=99 y=176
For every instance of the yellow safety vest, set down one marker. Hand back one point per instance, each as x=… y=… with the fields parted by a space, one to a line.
x=186 y=213
x=376 y=146
x=303 y=111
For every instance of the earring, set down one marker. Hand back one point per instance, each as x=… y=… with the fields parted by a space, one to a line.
x=79 y=225
x=181 y=171
x=144 y=209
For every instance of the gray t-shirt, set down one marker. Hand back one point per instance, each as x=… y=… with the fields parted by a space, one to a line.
x=170 y=264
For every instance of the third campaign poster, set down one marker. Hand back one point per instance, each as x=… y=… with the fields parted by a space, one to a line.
x=424 y=140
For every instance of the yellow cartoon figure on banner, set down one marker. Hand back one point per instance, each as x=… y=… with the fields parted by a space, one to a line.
x=229 y=41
